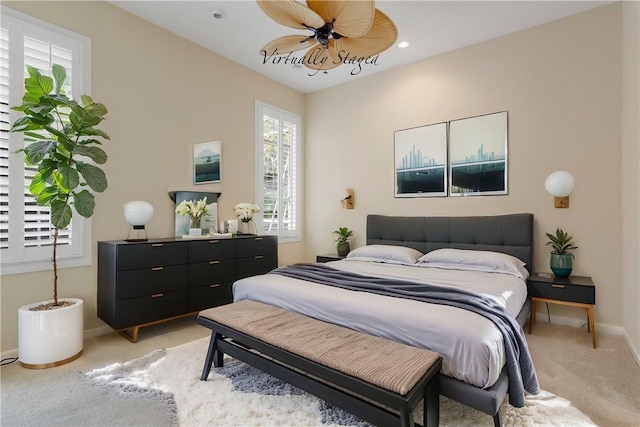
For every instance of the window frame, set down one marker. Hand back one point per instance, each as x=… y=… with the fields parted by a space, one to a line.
x=262 y=108
x=18 y=258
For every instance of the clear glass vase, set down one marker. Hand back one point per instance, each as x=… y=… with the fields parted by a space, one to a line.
x=194 y=226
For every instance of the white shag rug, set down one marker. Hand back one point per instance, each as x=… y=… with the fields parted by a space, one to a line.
x=239 y=395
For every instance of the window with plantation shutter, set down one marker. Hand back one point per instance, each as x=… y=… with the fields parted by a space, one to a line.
x=25 y=230
x=278 y=135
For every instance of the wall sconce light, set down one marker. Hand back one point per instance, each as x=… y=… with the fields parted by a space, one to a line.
x=347 y=202
x=137 y=214
x=560 y=184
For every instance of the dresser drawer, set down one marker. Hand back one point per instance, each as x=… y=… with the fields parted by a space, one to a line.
x=212 y=272
x=136 y=311
x=259 y=245
x=204 y=297
x=151 y=255
x=259 y=264
x=209 y=250
x=563 y=292
x=147 y=281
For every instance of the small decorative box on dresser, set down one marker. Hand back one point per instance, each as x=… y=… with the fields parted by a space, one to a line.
x=142 y=283
x=574 y=291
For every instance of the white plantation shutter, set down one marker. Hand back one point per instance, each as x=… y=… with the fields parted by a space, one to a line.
x=277 y=172
x=26 y=237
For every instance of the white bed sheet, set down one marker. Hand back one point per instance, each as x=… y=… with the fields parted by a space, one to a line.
x=471 y=346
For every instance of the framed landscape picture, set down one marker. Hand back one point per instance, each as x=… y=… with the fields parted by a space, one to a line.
x=478 y=155
x=207 y=158
x=420 y=157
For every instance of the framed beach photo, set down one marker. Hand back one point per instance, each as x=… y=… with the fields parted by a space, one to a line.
x=478 y=155
x=420 y=156
x=207 y=157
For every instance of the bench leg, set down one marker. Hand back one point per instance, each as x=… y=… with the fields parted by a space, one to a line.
x=497 y=419
x=214 y=356
x=431 y=401
x=406 y=418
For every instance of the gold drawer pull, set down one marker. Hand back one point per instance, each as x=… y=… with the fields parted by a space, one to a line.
x=216 y=285
x=157 y=269
x=257 y=238
x=157 y=245
x=157 y=295
x=214 y=262
x=557 y=286
x=259 y=256
x=214 y=241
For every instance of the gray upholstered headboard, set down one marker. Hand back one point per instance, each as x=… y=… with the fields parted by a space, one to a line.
x=511 y=234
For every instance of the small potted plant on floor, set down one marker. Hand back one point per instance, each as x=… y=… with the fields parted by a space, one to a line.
x=342 y=241
x=61 y=135
x=561 y=261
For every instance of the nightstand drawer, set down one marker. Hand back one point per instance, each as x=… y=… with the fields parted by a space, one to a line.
x=328 y=257
x=563 y=292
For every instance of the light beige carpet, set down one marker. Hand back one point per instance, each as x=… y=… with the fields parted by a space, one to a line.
x=238 y=395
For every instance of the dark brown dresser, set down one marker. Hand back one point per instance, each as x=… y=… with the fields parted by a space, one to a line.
x=142 y=283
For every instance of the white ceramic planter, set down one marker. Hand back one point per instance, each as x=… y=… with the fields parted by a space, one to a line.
x=52 y=337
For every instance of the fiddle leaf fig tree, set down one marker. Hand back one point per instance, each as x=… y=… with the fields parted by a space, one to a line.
x=62 y=138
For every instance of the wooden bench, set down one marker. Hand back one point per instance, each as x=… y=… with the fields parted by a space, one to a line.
x=376 y=379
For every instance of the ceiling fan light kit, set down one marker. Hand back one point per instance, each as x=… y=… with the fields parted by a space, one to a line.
x=342 y=32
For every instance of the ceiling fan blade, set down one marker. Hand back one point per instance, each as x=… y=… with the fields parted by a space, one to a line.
x=315 y=55
x=290 y=13
x=287 y=44
x=352 y=18
x=382 y=35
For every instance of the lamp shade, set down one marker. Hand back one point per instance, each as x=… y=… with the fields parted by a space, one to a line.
x=138 y=212
x=560 y=184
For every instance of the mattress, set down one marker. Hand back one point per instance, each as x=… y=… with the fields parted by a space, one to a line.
x=471 y=346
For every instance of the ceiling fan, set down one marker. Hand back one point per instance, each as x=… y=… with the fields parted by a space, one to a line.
x=342 y=31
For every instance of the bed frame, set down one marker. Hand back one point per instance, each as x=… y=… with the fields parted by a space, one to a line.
x=511 y=234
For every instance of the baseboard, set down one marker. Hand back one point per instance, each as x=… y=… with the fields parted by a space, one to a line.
x=634 y=351
x=572 y=321
x=89 y=333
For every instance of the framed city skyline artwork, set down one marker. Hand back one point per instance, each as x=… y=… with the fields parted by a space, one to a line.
x=478 y=155
x=420 y=158
x=207 y=157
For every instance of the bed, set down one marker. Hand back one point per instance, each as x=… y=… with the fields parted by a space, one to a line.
x=473 y=348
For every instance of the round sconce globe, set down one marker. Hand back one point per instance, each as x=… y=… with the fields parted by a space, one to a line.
x=560 y=184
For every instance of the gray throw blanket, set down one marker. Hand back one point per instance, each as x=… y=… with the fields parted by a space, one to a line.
x=520 y=370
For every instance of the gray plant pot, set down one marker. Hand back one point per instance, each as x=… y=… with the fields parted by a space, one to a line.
x=343 y=249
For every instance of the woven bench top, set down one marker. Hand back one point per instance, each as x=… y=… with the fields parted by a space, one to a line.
x=387 y=364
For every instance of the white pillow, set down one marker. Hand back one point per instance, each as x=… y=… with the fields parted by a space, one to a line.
x=460 y=259
x=385 y=253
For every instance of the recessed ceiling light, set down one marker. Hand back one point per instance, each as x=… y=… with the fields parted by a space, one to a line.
x=403 y=44
x=217 y=13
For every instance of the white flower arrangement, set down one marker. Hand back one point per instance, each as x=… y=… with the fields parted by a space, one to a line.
x=194 y=210
x=245 y=211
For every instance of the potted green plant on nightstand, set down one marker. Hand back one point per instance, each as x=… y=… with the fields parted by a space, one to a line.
x=342 y=241
x=561 y=261
x=63 y=144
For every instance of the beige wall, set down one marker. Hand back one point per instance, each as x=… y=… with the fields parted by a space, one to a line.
x=561 y=84
x=163 y=94
x=631 y=172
